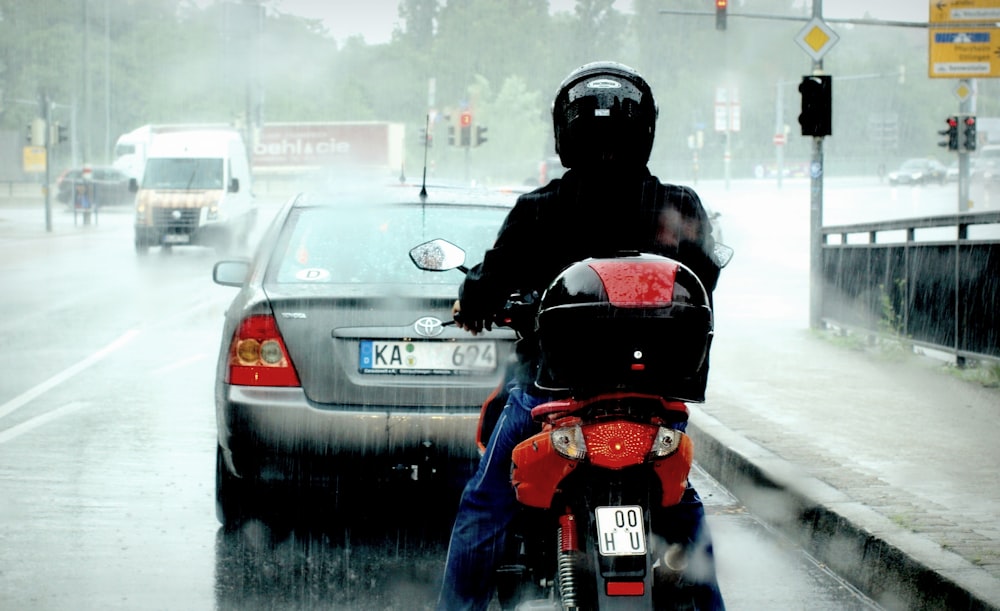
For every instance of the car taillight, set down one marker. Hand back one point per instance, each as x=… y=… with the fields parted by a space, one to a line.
x=257 y=355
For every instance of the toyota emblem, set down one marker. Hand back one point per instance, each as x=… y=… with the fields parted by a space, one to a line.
x=428 y=326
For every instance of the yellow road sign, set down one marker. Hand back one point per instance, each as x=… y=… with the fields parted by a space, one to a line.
x=816 y=38
x=964 y=11
x=957 y=52
x=33 y=159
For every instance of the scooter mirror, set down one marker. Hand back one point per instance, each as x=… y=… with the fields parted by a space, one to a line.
x=723 y=254
x=437 y=256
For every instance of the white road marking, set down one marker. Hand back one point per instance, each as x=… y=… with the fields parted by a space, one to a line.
x=179 y=364
x=37 y=421
x=33 y=393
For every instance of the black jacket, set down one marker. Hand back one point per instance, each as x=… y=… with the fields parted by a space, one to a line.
x=587 y=214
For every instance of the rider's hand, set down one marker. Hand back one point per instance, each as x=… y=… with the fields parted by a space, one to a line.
x=473 y=326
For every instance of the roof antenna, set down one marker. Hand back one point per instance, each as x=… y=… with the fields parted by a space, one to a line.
x=427 y=141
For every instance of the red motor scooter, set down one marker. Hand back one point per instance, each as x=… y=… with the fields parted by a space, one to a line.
x=624 y=343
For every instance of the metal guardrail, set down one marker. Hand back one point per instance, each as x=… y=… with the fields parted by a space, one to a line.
x=936 y=292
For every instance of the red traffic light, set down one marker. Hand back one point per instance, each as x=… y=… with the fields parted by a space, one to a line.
x=952 y=122
x=720 y=14
x=970 y=120
x=466 y=119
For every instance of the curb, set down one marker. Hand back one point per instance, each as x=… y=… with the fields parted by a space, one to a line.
x=897 y=568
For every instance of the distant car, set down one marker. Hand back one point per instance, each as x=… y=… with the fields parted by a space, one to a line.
x=335 y=361
x=919 y=172
x=107 y=186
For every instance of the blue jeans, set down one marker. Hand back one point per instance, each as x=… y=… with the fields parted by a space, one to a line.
x=488 y=505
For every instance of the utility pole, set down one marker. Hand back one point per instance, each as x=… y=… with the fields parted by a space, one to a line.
x=779 y=128
x=966 y=108
x=45 y=109
x=816 y=38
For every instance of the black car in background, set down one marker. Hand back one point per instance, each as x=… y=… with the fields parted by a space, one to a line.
x=335 y=361
x=106 y=186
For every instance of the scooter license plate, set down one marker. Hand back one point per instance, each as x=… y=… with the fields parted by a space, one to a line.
x=621 y=531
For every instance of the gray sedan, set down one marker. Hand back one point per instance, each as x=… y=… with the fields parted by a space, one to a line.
x=335 y=362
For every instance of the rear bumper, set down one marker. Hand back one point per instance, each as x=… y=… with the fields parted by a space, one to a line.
x=276 y=434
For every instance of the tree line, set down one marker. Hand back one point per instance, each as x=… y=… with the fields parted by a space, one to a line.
x=111 y=65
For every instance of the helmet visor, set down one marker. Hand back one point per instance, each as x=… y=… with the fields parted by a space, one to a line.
x=603 y=96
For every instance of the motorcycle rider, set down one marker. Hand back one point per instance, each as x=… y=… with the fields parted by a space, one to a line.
x=604 y=119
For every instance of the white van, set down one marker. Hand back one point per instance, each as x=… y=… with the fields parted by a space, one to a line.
x=196 y=189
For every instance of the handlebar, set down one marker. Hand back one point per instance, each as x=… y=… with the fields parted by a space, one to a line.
x=518 y=313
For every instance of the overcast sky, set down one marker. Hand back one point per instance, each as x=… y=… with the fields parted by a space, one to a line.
x=375 y=19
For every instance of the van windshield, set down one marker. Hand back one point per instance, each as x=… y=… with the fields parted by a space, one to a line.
x=183 y=173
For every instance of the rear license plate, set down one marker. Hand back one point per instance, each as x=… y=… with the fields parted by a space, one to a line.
x=176 y=238
x=621 y=531
x=427 y=357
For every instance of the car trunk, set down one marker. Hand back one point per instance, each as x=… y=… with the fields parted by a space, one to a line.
x=327 y=336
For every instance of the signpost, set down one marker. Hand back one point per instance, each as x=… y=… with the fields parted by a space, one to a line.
x=964 y=43
x=963 y=39
x=727 y=120
x=33 y=159
x=816 y=39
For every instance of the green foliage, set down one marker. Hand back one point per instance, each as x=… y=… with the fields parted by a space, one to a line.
x=149 y=61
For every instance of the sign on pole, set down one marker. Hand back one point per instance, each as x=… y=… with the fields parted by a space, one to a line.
x=964 y=52
x=33 y=159
x=727 y=109
x=816 y=38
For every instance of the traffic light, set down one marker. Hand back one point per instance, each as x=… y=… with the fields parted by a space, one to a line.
x=465 y=127
x=817 y=105
x=425 y=138
x=480 y=134
x=952 y=132
x=969 y=133
x=720 y=14
x=451 y=135
x=57 y=133
x=36 y=132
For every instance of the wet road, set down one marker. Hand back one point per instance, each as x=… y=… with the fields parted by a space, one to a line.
x=107 y=449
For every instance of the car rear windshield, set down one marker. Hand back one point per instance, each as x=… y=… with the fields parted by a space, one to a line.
x=370 y=245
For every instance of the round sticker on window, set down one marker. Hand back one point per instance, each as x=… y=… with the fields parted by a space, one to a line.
x=312 y=274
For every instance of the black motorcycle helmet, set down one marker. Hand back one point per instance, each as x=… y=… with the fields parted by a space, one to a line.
x=604 y=112
x=636 y=322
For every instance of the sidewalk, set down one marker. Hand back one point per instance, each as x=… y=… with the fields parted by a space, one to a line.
x=882 y=464
x=22 y=216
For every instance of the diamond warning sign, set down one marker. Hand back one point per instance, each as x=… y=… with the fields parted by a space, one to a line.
x=816 y=38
